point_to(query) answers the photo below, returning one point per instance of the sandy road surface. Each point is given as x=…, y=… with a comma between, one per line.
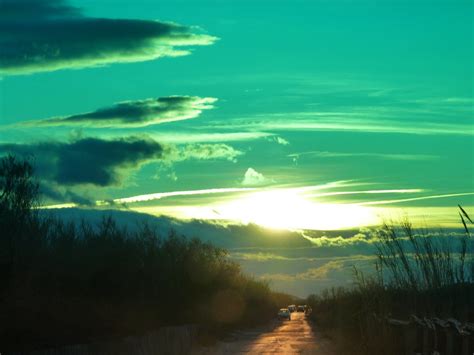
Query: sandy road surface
x=284, y=337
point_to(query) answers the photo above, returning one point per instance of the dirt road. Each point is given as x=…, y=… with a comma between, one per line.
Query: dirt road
x=283, y=337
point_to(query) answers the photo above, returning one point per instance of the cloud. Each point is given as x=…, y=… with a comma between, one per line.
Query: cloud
x=364, y=122
x=258, y=256
x=254, y=178
x=366, y=192
x=281, y=140
x=278, y=140
x=66, y=169
x=160, y=195
x=326, y=154
x=192, y=136
x=88, y=161
x=176, y=153
x=103, y=162
x=321, y=272
x=335, y=269
x=431, y=197
x=202, y=152
x=137, y=113
x=340, y=241
x=55, y=192
x=17, y=10
x=212, y=191
x=47, y=35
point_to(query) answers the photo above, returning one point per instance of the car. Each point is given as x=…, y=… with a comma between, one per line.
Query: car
x=292, y=308
x=300, y=308
x=284, y=313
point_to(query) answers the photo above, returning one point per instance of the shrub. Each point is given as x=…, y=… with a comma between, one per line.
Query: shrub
x=415, y=273
x=72, y=282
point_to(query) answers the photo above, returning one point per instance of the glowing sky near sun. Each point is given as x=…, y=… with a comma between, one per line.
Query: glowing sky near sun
x=245, y=111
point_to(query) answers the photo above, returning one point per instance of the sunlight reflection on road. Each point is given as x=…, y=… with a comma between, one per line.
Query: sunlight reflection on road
x=288, y=337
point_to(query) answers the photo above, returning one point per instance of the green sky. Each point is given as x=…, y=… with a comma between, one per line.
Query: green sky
x=374, y=95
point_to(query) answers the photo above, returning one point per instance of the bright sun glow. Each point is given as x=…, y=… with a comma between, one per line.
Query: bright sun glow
x=285, y=209
x=277, y=209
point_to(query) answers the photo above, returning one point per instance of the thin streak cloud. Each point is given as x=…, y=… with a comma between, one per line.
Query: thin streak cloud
x=160, y=195
x=345, y=122
x=206, y=137
x=367, y=192
x=326, y=154
x=386, y=202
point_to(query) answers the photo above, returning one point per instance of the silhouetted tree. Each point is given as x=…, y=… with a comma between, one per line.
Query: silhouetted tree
x=65, y=282
x=18, y=189
x=18, y=197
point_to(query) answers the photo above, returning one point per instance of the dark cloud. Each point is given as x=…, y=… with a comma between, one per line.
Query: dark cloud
x=59, y=193
x=20, y=10
x=68, y=169
x=50, y=35
x=137, y=113
x=89, y=160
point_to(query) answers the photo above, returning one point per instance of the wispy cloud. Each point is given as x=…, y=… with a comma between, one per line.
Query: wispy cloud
x=179, y=137
x=258, y=256
x=329, y=269
x=305, y=190
x=326, y=154
x=368, y=122
x=160, y=195
x=201, y=152
x=366, y=192
x=296, y=255
x=385, y=202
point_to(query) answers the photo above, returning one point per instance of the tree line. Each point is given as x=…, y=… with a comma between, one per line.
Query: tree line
x=72, y=282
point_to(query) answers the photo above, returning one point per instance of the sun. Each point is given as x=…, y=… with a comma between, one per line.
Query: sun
x=277, y=208
x=290, y=209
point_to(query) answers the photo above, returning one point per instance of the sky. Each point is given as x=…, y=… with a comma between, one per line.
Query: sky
x=293, y=115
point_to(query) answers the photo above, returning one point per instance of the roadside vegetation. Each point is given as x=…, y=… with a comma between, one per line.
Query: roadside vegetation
x=66, y=283
x=416, y=273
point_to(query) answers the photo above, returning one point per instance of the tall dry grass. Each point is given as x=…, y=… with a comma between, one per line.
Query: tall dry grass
x=409, y=259
x=415, y=272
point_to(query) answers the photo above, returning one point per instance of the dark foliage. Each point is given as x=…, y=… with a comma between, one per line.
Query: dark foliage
x=416, y=274
x=70, y=283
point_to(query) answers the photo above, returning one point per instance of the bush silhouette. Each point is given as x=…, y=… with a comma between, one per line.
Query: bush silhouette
x=72, y=282
x=416, y=274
